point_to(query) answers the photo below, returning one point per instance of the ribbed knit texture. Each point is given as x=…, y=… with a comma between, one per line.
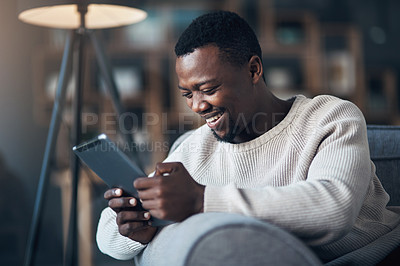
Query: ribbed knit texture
x=311, y=175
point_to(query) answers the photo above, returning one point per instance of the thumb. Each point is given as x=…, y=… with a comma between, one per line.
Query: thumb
x=164, y=168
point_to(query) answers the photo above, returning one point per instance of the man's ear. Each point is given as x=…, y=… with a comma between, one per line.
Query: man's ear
x=256, y=68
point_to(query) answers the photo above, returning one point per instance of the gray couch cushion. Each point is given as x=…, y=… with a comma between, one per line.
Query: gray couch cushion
x=232, y=239
x=384, y=144
x=214, y=239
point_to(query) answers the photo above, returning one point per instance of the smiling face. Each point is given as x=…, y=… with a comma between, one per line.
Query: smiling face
x=223, y=94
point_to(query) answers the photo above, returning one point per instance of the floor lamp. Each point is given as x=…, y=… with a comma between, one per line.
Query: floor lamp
x=80, y=16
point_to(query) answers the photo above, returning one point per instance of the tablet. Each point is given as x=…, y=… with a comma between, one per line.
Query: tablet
x=112, y=166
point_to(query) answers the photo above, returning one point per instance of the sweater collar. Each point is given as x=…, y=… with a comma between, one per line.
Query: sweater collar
x=267, y=136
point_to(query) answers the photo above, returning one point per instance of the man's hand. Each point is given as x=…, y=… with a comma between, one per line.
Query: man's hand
x=131, y=222
x=171, y=194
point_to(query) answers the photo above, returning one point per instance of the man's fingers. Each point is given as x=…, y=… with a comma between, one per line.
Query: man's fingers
x=120, y=203
x=151, y=193
x=124, y=217
x=128, y=229
x=113, y=193
x=162, y=169
x=145, y=183
x=151, y=204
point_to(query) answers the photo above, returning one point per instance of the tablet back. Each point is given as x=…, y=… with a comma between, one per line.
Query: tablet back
x=109, y=163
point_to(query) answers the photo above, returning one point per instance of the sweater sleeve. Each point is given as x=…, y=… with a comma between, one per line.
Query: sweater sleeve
x=111, y=242
x=322, y=208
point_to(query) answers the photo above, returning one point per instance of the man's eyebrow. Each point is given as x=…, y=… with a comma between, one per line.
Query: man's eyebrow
x=198, y=85
x=182, y=88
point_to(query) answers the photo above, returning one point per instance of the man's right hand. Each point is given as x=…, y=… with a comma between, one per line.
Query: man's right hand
x=131, y=222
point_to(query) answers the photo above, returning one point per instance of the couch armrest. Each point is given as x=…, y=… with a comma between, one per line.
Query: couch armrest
x=212, y=239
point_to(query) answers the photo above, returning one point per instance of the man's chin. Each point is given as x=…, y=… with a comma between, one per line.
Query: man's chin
x=225, y=138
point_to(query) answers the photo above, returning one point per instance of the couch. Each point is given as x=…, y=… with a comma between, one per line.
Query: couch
x=213, y=239
x=384, y=145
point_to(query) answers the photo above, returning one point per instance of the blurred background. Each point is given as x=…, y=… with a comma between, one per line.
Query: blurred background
x=347, y=48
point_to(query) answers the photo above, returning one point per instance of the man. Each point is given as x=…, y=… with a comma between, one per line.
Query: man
x=301, y=164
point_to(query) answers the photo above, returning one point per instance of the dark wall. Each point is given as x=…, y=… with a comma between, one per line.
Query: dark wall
x=21, y=140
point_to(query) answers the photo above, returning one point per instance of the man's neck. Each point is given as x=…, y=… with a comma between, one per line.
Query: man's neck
x=271, y=112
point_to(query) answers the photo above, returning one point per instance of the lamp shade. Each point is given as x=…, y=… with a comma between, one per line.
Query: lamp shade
x=63, y=14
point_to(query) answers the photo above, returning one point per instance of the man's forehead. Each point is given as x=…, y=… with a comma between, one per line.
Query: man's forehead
x=199, y=58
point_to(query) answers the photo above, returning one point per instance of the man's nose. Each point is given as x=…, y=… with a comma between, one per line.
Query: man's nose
x=199, y=104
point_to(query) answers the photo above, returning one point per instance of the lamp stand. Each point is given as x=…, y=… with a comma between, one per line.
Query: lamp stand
x=75, y=38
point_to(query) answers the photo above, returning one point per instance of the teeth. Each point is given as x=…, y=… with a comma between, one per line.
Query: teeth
x=214, y=118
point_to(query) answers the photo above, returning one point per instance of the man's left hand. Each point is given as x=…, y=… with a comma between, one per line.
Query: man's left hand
x=171, y=194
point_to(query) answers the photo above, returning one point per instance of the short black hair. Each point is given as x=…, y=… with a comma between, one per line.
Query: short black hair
x=227, y=30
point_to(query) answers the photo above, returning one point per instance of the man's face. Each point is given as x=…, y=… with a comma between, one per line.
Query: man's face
x=219, y=92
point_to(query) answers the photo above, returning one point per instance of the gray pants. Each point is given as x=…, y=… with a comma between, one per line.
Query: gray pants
x=215, y=239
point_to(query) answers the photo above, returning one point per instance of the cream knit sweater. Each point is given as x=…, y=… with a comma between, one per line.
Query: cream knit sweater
x=311, y=174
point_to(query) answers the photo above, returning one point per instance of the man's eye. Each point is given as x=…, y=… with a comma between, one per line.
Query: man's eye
x=210, y=91
x=187, y=95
